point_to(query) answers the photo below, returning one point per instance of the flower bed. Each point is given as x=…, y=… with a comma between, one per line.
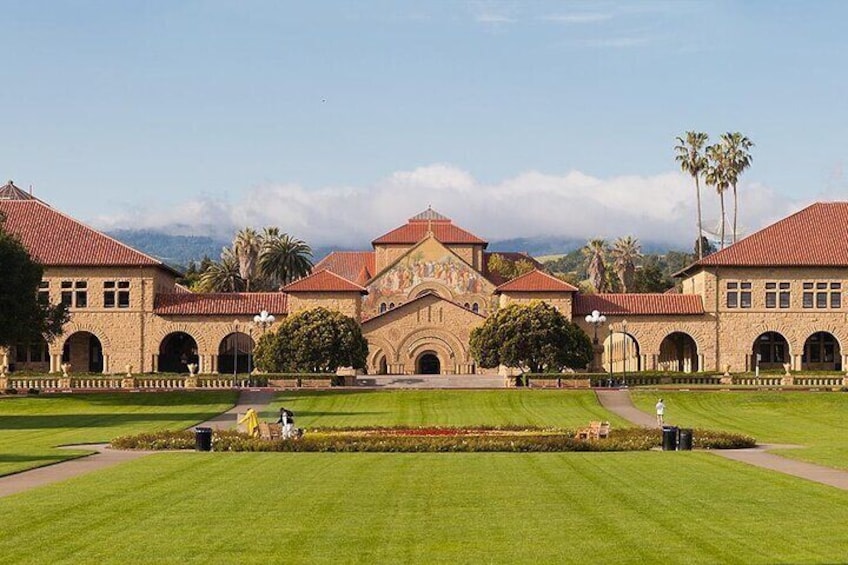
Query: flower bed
x=433, y=440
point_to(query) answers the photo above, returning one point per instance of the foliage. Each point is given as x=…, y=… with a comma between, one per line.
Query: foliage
x=430, y=440
x=534, y=335
x=507, y=268
x=651, y=278
x=313, y=341
x=595, y=253
x=24, y=318
x=693, y=161
x=626, y=252
x=737, y=158
x=257, y=262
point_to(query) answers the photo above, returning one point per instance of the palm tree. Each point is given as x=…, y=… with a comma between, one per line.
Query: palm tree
x=717, y=177
x=690, y=155
x=596, y=254
x=247, y=245
x=283, y=258
x=223, y=276
x=626, y=252
x=738, y=158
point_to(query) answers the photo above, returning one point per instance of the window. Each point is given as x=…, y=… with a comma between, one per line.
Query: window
x=391, y=305
x=785, y=297
x=475, y=308
x=116, y=293
x=732, y=295
x=771, y=295
x=808, y=295
x=745, y=295
x=382, y=307
x=81, y=294
x=821, y=295
x=467, y=306
x=44, y=292
x=836, y=295
x=67, y=293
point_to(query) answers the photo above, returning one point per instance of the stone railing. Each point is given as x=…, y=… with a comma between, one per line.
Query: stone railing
x=142, y=382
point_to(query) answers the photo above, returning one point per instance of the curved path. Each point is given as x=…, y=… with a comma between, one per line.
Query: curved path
x=105, y=457
x=619, y=402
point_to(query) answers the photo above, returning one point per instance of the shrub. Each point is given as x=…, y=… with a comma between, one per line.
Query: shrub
x=11, y=391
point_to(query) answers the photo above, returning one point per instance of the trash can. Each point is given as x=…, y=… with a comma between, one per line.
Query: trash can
x=669, y=438
x=685, y=443
x=203, y=439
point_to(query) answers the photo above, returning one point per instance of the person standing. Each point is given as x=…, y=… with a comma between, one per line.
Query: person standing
x=660, y=411
x=287, y=422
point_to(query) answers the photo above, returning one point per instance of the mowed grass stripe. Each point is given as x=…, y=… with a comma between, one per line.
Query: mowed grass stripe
x=31, y=427
x=815, y=420
x=568, y=409
x=434, y=508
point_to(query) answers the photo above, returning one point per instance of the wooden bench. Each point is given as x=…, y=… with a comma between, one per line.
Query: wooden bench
x=270, y=431
x=595, y=430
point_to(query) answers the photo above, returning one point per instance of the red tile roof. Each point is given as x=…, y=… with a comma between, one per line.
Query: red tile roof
x=817, y=236
x=54, y=239
x=323, y=281
x=417, y=227
x=349, y=264
x=422, y=296
x=11, y=192
x=229, y=304
x=535, y=281
x=638, y=304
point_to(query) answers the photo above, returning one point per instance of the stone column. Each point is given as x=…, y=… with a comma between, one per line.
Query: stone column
x=105, y=364
x=154, y=359
x=701, y=367
x=796, y=364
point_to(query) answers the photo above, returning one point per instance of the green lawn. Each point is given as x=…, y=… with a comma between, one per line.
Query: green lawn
x=566, y=409
x=816, y=420
x=427, y=508
x=31, y=427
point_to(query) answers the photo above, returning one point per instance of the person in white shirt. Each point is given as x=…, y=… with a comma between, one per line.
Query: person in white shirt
x=660, y=412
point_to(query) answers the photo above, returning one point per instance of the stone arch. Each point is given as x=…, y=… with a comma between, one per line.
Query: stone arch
x=202, y=340
x=623, y=354
x=377, y=344
x=58, y=344
x=822, y=350
x=788, y=333
x=652, y=341
x=773, y=348
x=433, y=335
x=428, y=363
x=432, y=286
x=679, y=351
x=235, y=353
x=85, y=352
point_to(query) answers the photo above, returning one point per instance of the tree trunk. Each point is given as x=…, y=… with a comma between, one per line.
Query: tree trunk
x=700, y=224
x=723, y=217
x=735, y=208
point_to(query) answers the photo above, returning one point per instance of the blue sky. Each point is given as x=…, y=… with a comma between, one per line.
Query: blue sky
x=337, y=120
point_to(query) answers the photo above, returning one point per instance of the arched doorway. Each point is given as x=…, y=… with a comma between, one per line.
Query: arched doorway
x=428, y=364
x=84, y=352
x=822, y=353
x=621, y=352
x=383, y=366
x=235, y=354
x=678, y=352
x=773, y=351
x=176, y=352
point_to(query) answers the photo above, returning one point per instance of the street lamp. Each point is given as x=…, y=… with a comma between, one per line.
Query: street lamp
x=235, y=351
x=624, y=332
x=263, y=319
x=595, y=319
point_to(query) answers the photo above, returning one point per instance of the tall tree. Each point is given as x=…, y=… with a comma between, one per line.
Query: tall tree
x=247, y=245
x=690, y=155
x=738, y=159
x=283, y=258
x=595, y=253
x=222, y=276
x=24, y=318
x=717, y=177
x=626, y=252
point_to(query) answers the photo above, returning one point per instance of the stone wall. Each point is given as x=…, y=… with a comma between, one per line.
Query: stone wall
x=562, y=301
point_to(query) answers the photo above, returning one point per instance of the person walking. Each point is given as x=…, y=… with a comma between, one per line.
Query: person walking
x=286, y=420
x=660, y=411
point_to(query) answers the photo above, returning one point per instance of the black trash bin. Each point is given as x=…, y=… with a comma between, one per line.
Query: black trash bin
x=685, y=443
x=669, y=438
x=203, y=439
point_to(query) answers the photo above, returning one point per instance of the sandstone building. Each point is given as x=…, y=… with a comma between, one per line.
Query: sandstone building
x=776, y=297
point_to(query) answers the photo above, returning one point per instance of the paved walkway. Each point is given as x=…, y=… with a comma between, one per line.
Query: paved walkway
x=430, y=381
x=105, y=457
x=619, y=402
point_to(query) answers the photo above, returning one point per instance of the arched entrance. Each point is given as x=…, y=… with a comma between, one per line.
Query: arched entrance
x=382, y=366
x=773, y=351
x=428, y=364
x=235, y=354
x=621, y=352
x=822, y=353
x=678, y=352
x=176, y=352
x=84, y=352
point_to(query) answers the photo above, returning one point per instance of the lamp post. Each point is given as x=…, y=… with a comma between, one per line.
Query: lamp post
x=235, y=351
x=595, y=319
x=263, y=319
x=624, y=332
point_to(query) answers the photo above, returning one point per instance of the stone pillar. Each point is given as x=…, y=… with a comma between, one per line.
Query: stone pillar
x=598, y=358
x=55, y=362
x=105, y=364
x=213, y=364
x=795, y=363
x=154, y=359
x=701, y=361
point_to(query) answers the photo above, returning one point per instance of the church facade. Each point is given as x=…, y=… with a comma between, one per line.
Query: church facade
x=775, y=298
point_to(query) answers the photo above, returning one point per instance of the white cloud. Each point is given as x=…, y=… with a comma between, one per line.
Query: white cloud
x=578, y=17
x=659, y=208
